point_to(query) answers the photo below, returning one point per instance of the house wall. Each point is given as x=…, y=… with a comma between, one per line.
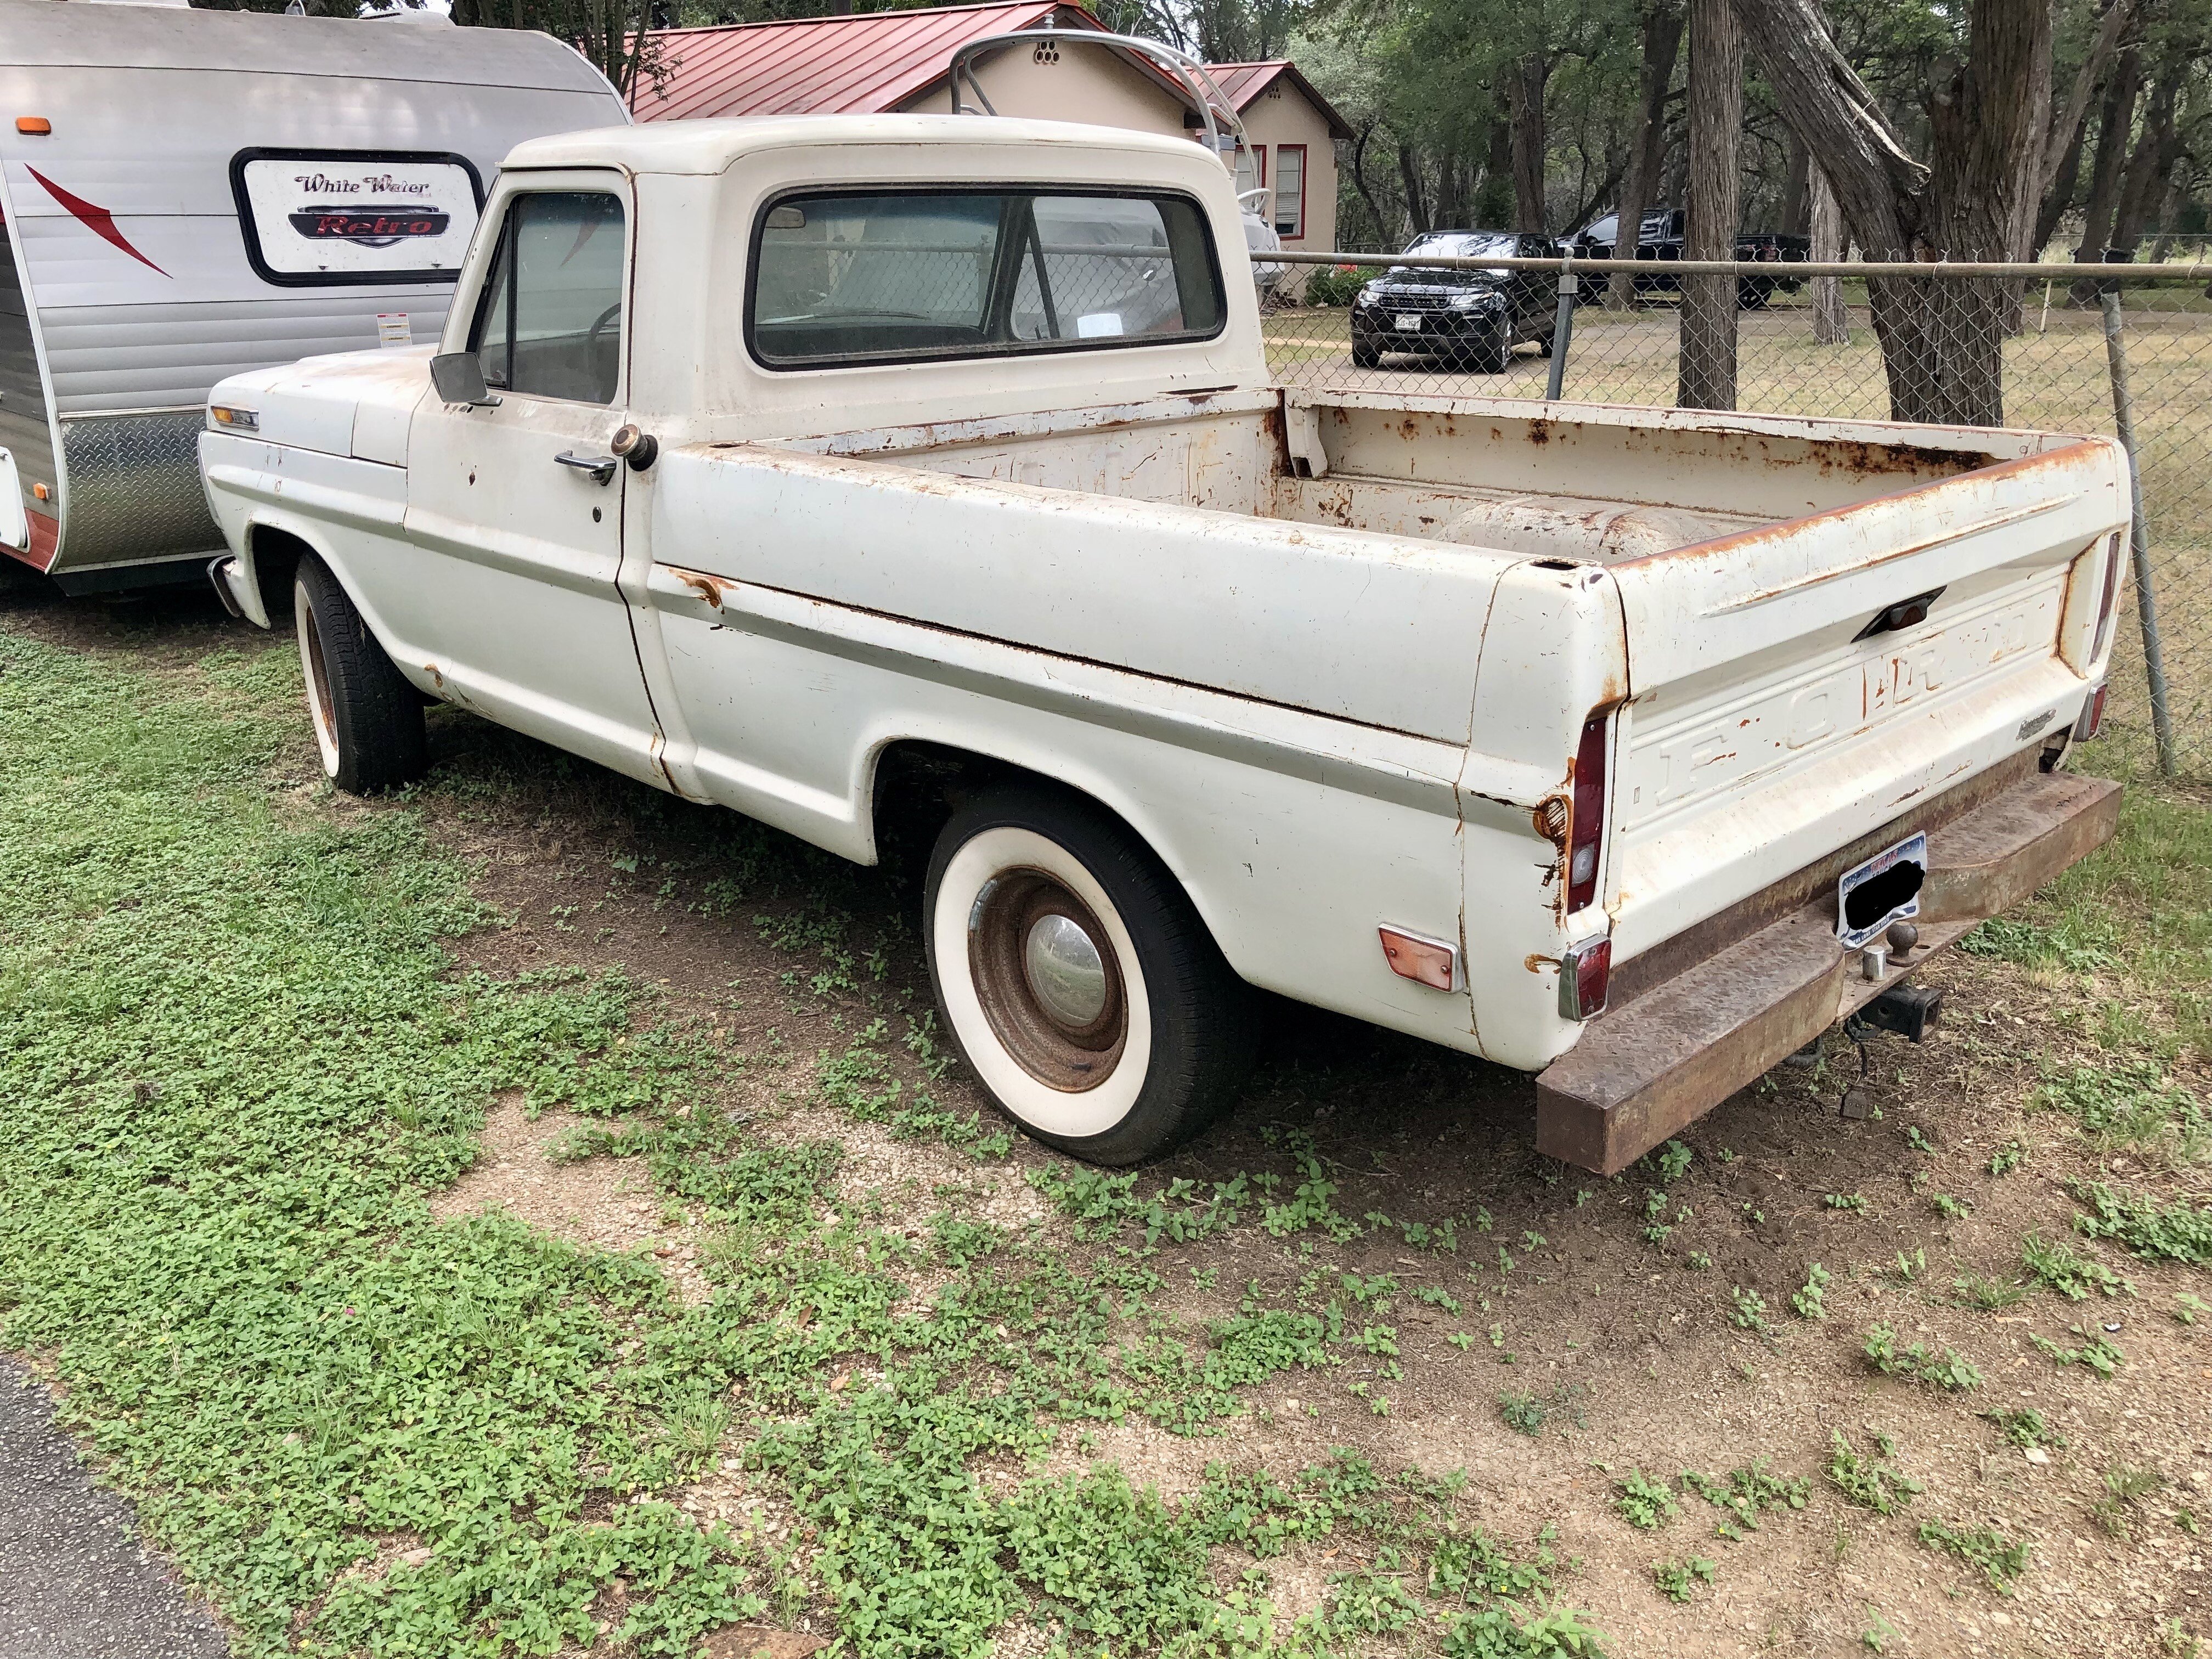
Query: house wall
x=1087, y=83
x=1282, y=115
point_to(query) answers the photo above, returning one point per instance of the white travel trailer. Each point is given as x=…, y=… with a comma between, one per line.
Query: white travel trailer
x=187, y=194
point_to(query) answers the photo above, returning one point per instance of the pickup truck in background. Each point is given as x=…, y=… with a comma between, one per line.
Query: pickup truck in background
x=912, y=473
x=1662, y=240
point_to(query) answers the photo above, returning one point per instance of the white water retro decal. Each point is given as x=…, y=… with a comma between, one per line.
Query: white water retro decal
x=323, y=219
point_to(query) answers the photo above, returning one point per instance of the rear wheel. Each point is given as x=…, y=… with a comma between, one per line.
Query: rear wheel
x=367, y=719
x=1077, y=981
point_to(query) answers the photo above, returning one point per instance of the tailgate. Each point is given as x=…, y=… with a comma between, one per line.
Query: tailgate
x=1768, y=726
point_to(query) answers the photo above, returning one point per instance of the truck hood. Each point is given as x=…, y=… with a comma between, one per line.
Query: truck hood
x=357, y=403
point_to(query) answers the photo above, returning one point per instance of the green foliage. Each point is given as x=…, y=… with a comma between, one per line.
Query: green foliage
x=1747, y=1493
x=1872, y=1482
x=2132, y=1105
x=1524, y=1413
x=2057, y=1264
x=1335, y=285
x=1677, y=1579
x=1750, y=1309
x=2142, y=1225
x=1809, y=1302
x=2125, y=1485
x=1674, y=1161
x=2001, y=1559
x=2095, y=1352
x=1919, y=1363
x=2024, y=1427
x=2009, y=1157
x=1853, y=1202
x=1988, y=1294
x=1645, y=1502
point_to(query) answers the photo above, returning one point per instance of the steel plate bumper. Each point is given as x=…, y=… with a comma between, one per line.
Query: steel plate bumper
x=1687, y=1042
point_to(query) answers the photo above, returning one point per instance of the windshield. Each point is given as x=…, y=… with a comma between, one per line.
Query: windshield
x=1465, y=244
x=1462, y=244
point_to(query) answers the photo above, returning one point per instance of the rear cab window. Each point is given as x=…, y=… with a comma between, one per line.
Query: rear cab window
x=919, y=274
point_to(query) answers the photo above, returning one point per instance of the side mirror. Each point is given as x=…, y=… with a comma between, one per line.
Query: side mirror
x=459, y=378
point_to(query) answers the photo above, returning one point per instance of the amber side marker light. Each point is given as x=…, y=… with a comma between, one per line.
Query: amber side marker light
x=34, y=126
x=230, y=418
x=1428, y=962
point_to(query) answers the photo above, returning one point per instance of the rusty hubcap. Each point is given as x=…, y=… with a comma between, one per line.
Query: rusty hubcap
x=1047, y=978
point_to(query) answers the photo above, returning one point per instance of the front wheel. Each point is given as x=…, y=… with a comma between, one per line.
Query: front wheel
x=1365, y=356
x=1076, y=980
x=368, y=720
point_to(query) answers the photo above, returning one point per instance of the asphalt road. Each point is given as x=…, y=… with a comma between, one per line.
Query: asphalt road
x=74, y=1582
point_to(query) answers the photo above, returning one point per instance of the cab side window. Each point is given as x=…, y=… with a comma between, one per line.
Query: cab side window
x=549, y=321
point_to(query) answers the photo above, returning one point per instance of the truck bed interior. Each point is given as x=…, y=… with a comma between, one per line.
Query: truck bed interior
x=1602, y=484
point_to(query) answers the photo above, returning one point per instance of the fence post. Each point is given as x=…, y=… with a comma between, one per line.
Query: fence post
x=1563, y=333
x=2123, y=424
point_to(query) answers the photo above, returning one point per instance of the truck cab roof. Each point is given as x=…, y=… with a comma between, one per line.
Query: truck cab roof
x=709, y=148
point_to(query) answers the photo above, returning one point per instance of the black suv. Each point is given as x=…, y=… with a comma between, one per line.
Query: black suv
x=1662, y=240
x=1469, y=318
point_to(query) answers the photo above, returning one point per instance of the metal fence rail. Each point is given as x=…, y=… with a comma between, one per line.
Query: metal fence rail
x=2122, y=350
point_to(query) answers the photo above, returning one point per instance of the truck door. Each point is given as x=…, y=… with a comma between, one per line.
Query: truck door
x=522, y=502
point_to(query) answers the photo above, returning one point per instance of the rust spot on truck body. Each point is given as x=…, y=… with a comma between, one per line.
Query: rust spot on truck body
x=709, y=589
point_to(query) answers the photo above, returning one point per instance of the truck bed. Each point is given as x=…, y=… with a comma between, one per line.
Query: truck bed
x=1763, y=726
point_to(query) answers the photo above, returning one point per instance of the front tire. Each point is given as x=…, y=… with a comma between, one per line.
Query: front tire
x=1076, y=980
x=1365, y=356
x=367, y=719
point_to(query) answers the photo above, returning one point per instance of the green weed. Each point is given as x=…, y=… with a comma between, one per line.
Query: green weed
x=1677, y=1580
x=1644, y=1501
x=1919, y=1363
x=1872, y=1482
x=2001, y=1559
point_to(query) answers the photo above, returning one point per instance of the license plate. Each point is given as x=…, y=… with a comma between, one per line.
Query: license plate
x=1409, y=325
x=1883, y=889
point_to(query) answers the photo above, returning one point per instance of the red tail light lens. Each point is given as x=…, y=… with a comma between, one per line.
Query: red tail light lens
x=2093, y=716
x=1585, y=974
x=1586, y=830
x=2105, y=600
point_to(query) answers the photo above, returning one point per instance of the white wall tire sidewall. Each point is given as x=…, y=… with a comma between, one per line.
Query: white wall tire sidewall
x=1040, y=1106
x=324, y=719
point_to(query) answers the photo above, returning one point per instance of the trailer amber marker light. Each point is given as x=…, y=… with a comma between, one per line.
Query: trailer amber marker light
x=34, y=126
x=232, y=419
x=1425, y=961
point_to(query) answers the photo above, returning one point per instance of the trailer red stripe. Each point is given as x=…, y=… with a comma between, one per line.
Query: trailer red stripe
x=98, y=219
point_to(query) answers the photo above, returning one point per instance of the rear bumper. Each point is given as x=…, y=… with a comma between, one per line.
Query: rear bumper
x=1686, y=1043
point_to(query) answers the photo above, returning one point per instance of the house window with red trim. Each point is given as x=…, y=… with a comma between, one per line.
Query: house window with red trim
x=1290, y=191
x=1251, y=168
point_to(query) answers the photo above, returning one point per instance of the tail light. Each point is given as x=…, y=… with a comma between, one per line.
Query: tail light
x=1585, y=972
x=2105, y=607
x=2092, y=715
x=1586, y=828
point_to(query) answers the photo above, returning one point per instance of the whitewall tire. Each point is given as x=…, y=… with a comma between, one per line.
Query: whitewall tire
x=1076, y=980
x=367, y=719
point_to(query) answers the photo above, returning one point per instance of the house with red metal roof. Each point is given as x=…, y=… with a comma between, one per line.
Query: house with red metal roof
x=878, y=63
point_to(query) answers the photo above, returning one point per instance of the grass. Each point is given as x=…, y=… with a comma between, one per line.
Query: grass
x=240, y=1062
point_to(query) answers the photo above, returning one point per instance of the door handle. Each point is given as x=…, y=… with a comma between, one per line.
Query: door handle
x=600, y=467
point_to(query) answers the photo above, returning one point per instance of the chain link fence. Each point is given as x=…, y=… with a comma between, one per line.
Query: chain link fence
x=2124, y=353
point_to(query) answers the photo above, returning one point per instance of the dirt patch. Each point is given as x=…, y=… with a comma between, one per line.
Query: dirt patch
x=603, y=1203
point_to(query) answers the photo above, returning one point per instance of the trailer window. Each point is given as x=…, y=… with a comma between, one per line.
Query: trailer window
x=549, y=321
x=898, y=277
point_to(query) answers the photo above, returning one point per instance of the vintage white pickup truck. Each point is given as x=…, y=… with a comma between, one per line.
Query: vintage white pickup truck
x=857, y=473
